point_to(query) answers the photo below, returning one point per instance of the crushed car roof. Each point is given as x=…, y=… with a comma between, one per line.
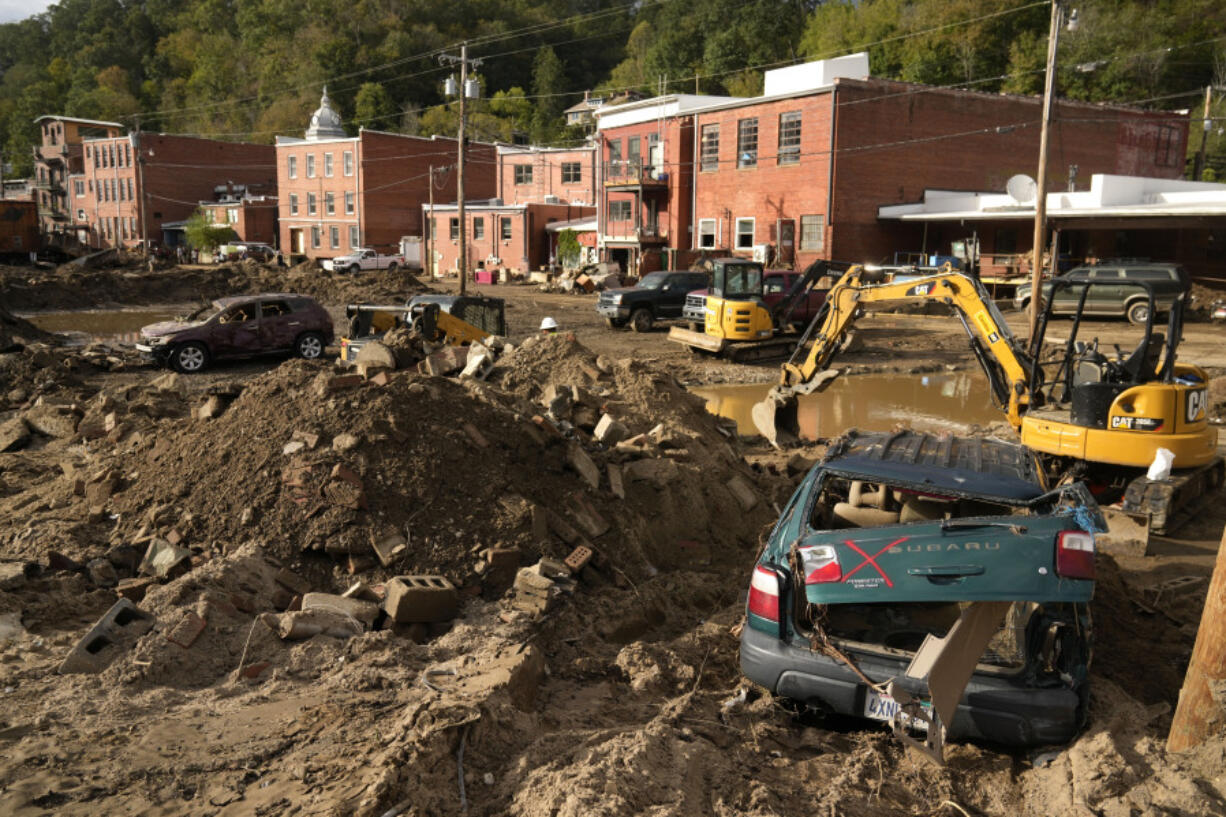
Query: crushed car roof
x=956, y=465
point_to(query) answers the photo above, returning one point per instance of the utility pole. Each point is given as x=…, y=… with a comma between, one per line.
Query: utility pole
x=1040, y=201
x=427, y=263
x=466, y=89
x=1199, y=167
x=144, y=197
x=1196, y=710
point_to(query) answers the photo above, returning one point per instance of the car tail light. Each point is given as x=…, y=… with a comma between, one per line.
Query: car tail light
x=821, y=564
x=1075, y=555
x=764, y=593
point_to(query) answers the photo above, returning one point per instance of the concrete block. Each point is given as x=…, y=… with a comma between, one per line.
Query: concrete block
x=743, y=492
x=552, y=568
x=616, y=486
x=163, y=559
x=610, y=431
x=112, y=635
x=445, y=361
x=388, y=548
x=583, y=464
x=134, y=589
x=360, y=609
x=531, y=581
x=424, y=599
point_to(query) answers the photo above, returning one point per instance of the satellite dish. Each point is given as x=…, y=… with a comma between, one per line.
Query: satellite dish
x=1021, y=188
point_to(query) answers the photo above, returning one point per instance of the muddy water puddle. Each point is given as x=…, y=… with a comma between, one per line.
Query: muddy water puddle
x=111, y=325
x=873, y=402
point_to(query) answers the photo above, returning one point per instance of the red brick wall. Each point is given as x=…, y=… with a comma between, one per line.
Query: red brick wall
x=895, y=140
x=547, y=176
x=18, y=227
x=770, y=191
x=257, y=218
x=390, y=183
x=528, y=248
x=180, y=172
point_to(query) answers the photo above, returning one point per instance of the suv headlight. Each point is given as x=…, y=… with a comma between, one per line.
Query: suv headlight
x=157, y=341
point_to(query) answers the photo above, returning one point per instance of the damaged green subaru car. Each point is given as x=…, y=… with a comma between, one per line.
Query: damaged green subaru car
x=934, y=583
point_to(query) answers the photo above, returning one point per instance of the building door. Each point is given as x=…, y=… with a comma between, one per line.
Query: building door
x=621, y=256
x=786, y=231
x=297, y=243
x=655, y=158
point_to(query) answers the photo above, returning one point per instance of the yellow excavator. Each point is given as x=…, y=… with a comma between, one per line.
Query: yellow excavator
x=1102, y=419
x=457, y=320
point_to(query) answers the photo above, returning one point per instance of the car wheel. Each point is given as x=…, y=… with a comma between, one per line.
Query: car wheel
x=392, y=267
x=354, y=269
x=190, y=357
x=641, y=320
x=1138, y=312
x=615, y=323
x=309, y=346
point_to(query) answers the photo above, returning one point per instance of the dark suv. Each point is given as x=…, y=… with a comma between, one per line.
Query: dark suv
x=659, y=296
x=891, y=540
x=240, y=327
x=1114, y=294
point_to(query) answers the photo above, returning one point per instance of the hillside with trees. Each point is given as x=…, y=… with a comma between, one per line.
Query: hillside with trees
x=252, y=69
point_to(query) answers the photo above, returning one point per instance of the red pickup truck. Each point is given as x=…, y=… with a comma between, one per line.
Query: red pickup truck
x=775, y=285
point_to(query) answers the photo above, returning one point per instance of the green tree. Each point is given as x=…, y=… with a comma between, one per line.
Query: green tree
x=569, y=249
x=373, y=107
x=203, y=234
x=548, y=85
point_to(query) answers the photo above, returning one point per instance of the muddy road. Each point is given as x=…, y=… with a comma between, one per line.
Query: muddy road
x=619, y=694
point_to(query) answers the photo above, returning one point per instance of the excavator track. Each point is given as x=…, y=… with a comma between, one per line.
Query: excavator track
x=1173, y=502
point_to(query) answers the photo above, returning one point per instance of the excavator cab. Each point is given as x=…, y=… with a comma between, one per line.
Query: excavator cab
x=735, y=309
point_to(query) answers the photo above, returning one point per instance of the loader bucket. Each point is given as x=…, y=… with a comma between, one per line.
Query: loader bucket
x=777, y=416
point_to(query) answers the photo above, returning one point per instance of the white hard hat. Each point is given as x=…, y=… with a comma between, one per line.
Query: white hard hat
x=549, y=323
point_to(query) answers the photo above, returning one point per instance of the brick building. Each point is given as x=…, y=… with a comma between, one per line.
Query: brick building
x=512, y=236
x=178, y=173
x=252, y=218
x=19, y=234
x=555, y=175
x=799, y=172
x=338, y=192
x=59, y=156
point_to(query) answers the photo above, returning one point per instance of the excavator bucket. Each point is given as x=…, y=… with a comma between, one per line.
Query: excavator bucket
x=777, y=416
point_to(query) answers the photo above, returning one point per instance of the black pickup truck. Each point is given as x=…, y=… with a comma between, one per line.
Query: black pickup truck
x=660, y=295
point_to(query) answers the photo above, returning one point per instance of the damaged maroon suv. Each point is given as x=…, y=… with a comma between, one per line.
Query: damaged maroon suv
x=242, y=326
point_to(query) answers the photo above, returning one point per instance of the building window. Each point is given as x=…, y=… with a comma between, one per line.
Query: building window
x=744, y=233
x=349, y=203
x=310, y=204
x=506, y=228
x=131, y=193
x=95, y=158
x=455, y=229
x=315, y=236
x=706, y=232
x=747, y=143
x=293, y=167
x=789, y=138
x=1168, y=141
x=572, y=172
x=127, y=155
x=80, y=215
x=615, y=150
x=348, y=161
x=110, y=152
x=812, y=233
x=523, y=174
x=328, y=165
x=310, y=168
x=232, y=215
x=634, y=150
x=330, y=204
x=78, y=188
x=293, y=204
x=478, y=228
x=619, y=211
x=710, y=148
x=334, y=237
x=353, y=236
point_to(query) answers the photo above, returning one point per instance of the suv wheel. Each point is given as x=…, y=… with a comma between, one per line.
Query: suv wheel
x=641, y=320
x=354, y=269
x=1138, y=311
x=309, y=346
x=190, y=357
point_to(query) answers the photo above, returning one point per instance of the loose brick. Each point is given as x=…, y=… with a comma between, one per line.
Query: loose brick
x=388, y=548
x=579, y=558
x=114, y=633
x=616, y=486
x=187, y=630
x=743, y=492
x=134, y=589
x=345, y=381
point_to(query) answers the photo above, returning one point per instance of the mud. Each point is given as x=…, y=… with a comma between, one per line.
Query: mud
x=626, y=698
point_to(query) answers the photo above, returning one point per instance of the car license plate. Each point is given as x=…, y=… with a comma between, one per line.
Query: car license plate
x=881, y=707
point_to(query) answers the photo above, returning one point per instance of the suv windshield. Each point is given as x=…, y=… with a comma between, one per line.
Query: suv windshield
x=653, y=281
x=203, y=313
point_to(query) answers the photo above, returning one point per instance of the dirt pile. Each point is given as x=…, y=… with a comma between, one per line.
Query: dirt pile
x=75, y=287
